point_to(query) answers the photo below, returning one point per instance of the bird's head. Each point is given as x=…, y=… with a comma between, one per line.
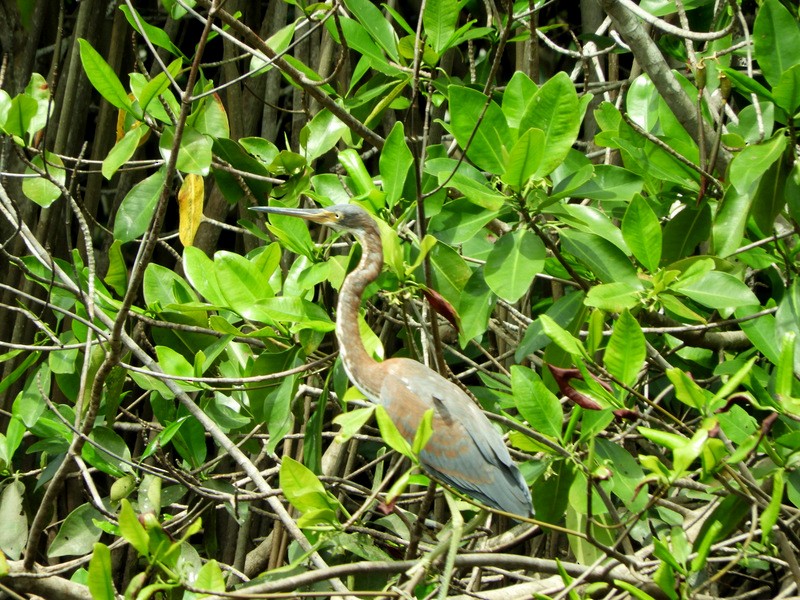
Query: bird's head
x=342, y=217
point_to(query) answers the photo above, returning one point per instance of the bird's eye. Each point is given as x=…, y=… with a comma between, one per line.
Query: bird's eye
x=337, y=216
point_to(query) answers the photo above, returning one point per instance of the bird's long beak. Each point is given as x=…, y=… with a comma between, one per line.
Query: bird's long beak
x=317, y=215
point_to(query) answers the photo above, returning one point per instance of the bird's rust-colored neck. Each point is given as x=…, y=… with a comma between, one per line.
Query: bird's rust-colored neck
x=357, y=361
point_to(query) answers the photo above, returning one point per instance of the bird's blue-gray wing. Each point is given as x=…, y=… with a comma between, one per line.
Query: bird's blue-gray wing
x=465, y=451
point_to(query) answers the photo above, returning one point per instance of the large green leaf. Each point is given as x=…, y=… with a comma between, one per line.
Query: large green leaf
x=625, y=352
x=718, y=290
x=787, y=91
x=378, y=27
x=77, y=534
x=321, y=134
x=123, y=150
x=194, y=150
x=439, y=22
x=488, y=146
x=100, y=577
x=555, y=109
x=14, y=532
x=685, y=231
x=642, y=233
x=518, y=93
x=606, y=261
x=137, y=208
x=525, y=158
x=108, y=452
x=39, y=189
x=776, y=39
x=538, y=405
x=730, y=221
x=450, y=272
x=475, y=307
x=513, y=263
x=104, y=79
x=750, y=164
x=395, y=162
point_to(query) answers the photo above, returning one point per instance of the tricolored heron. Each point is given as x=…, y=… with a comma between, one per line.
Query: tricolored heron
x=464, y=451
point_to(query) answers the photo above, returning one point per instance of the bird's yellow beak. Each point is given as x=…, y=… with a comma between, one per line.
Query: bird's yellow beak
x=316, y=215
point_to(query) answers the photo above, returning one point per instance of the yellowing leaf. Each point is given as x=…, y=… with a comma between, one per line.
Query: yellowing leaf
x=190, y=206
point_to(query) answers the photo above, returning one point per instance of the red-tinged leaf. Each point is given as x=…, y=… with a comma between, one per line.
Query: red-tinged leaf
x=443, y=307
x=626, y=414
x=563, y=377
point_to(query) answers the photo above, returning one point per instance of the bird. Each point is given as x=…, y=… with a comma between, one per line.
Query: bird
x=464, y=451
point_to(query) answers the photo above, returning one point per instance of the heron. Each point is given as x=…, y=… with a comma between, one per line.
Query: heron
x=464, y=451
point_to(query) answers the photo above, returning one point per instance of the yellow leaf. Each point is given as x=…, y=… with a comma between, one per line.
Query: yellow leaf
x=190, y=206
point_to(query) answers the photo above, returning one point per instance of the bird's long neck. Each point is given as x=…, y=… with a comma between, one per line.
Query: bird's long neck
x=355, y=358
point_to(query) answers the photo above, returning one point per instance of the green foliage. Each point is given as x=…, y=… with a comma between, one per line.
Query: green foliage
x=625, y=301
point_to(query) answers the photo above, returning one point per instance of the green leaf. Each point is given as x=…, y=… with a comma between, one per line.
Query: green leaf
x=395, y=161
x=77, y=534
x=476, y=192
x=769, y=516
x=101, y=586
x=555, y=109
x=210, y=578
x=776, y=39
x=42, y=191
x=158, y=84
x=537, y=405
x=487, y=147
x=303, y=489
x=137, y=208
x=14, y=532
x=563, y=311
x=376, y=25
x=194, y=150
x=718, y=290
x=475, y=307
x=117, y=275
x=200, y=270
x=21, y=113
x=750, y=164
x=391, y=435
x=131, y=529
x=769, y=199
x=613, y=297
x=608, y=263
x=240, y=281
x=686, y=390
x=450, y=272
x=107, y=451
x=5, y=108
x=561, y=337
x=513, y=264
x=787, y=91
x=608, y=182
x=352, y=421
x=685, y=231
x=519, y=91
x=439, y=21
x=321, y=134
x=642, y=232
x=157, y=36
x=625, y=354
x=210, y=118
x=730, y=221
x=524, y=158
x=105, y=80
x=123, y=150
x=423, y=433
